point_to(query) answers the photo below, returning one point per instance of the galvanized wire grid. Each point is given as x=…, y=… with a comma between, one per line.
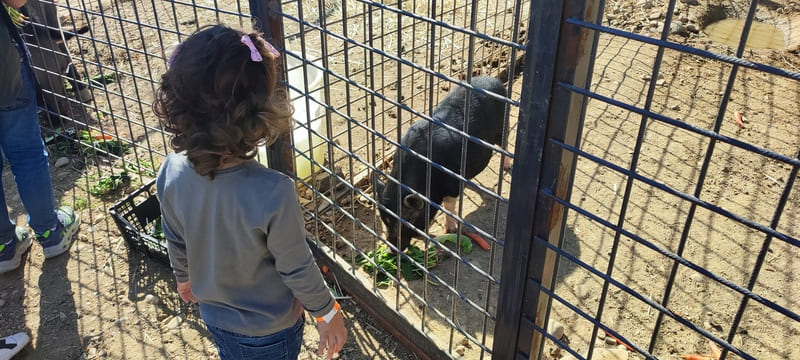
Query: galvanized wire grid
x=385, y=66
x=663, y=228
x=125, y=40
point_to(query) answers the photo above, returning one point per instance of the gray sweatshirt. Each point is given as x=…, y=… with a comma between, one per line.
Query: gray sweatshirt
x=240, y=240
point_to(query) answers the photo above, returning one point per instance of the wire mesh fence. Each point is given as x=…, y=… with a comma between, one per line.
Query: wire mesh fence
x=652, y=198
x=664, y=210
x=386, y=66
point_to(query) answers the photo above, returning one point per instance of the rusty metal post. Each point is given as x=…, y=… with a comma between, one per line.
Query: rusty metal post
x=266, y=16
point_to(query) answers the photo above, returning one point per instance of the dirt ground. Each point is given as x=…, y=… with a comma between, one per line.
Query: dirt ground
x=104, y=301
x=94, y=302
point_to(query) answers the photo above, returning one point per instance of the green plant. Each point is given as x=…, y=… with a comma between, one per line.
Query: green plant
x=101, y=143
x=157, y=232
x=60, y=141
x=144, y=167
x=388, y=262
x=110, y=184
x=103, y=79
x=81, y=204
x=16, y=17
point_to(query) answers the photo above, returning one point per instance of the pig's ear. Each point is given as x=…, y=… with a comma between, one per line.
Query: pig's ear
x=413, y=201
x=377, y=183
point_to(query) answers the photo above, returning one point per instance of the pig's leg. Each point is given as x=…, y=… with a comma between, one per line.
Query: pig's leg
x=508, y=163
x=450, y=223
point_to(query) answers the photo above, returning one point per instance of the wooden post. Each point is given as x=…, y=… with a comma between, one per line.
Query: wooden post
x=267, y=19
x=557, y=52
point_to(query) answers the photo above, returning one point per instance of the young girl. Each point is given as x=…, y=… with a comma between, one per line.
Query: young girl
x=235, y=233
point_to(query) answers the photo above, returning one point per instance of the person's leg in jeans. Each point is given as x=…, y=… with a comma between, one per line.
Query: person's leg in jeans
x=283, y=345
x=22, y=145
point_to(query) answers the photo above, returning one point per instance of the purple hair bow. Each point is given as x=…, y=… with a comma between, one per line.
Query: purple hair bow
x=254, y=54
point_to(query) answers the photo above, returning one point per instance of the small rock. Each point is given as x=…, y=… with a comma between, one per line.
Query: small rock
x=466, y=343
x=555, y=328
x=675, y=107
x=611, y=17
x=151, y=299
x=614, y=23
x=692, y=28
x=601, y=335
x=460, y=350
x=654, y=23
x=61, y=162
x=676, y=27
x=684, y=19
x=175, y=322
x=610, y=354
x=582, y=291
x=645, y=4
x=611, y=341
x=646, y=77
x=120, y=321
x=698, y=277
x=794, y=49
x=676, y=11
x=655, y=15
x=660, y=82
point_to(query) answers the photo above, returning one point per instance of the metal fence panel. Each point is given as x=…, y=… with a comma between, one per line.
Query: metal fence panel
x=639, y=207
x=652, y=227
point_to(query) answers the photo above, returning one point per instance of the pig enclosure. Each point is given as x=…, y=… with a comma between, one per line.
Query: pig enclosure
x=670, y=200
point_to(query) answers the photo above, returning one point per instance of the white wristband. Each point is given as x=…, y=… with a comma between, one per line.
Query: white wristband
x=329, y=316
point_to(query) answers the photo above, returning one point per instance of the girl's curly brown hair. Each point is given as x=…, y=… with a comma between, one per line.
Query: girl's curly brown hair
x=218, y=103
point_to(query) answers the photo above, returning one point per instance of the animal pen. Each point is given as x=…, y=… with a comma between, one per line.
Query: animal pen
x=649, y=211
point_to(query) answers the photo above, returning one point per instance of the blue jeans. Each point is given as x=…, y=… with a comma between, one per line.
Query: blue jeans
x=283, y=345
x=21, y=143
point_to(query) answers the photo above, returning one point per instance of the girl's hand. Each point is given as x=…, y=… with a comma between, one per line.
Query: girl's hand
x=332, y=335
x=185, y=291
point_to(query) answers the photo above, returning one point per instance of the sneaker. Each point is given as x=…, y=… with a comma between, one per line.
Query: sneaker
x=57, y=241
x=11, y=252
x=11, y=345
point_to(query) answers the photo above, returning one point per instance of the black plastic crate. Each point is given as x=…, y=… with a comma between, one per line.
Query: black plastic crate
x=138, y=217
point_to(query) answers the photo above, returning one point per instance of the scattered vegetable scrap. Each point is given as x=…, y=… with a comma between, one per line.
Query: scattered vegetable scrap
x=739, y=119
x=464, y=241
x=100, y=136
x=479, y=240
x=630, y=348
x=716, y=353
x=101, y=80
x=388, y=262
x=697, y=357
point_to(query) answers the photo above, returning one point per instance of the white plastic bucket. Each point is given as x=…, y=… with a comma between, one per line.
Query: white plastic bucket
x=302, y=115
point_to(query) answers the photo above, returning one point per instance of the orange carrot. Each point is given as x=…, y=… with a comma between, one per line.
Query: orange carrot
x=478, y=240
x=696, y=357
x=716, y=353
x=630, y=348
x=739, y=119
x=98, y=136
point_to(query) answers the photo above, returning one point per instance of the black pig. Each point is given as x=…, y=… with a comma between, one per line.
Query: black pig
x=485, y=116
